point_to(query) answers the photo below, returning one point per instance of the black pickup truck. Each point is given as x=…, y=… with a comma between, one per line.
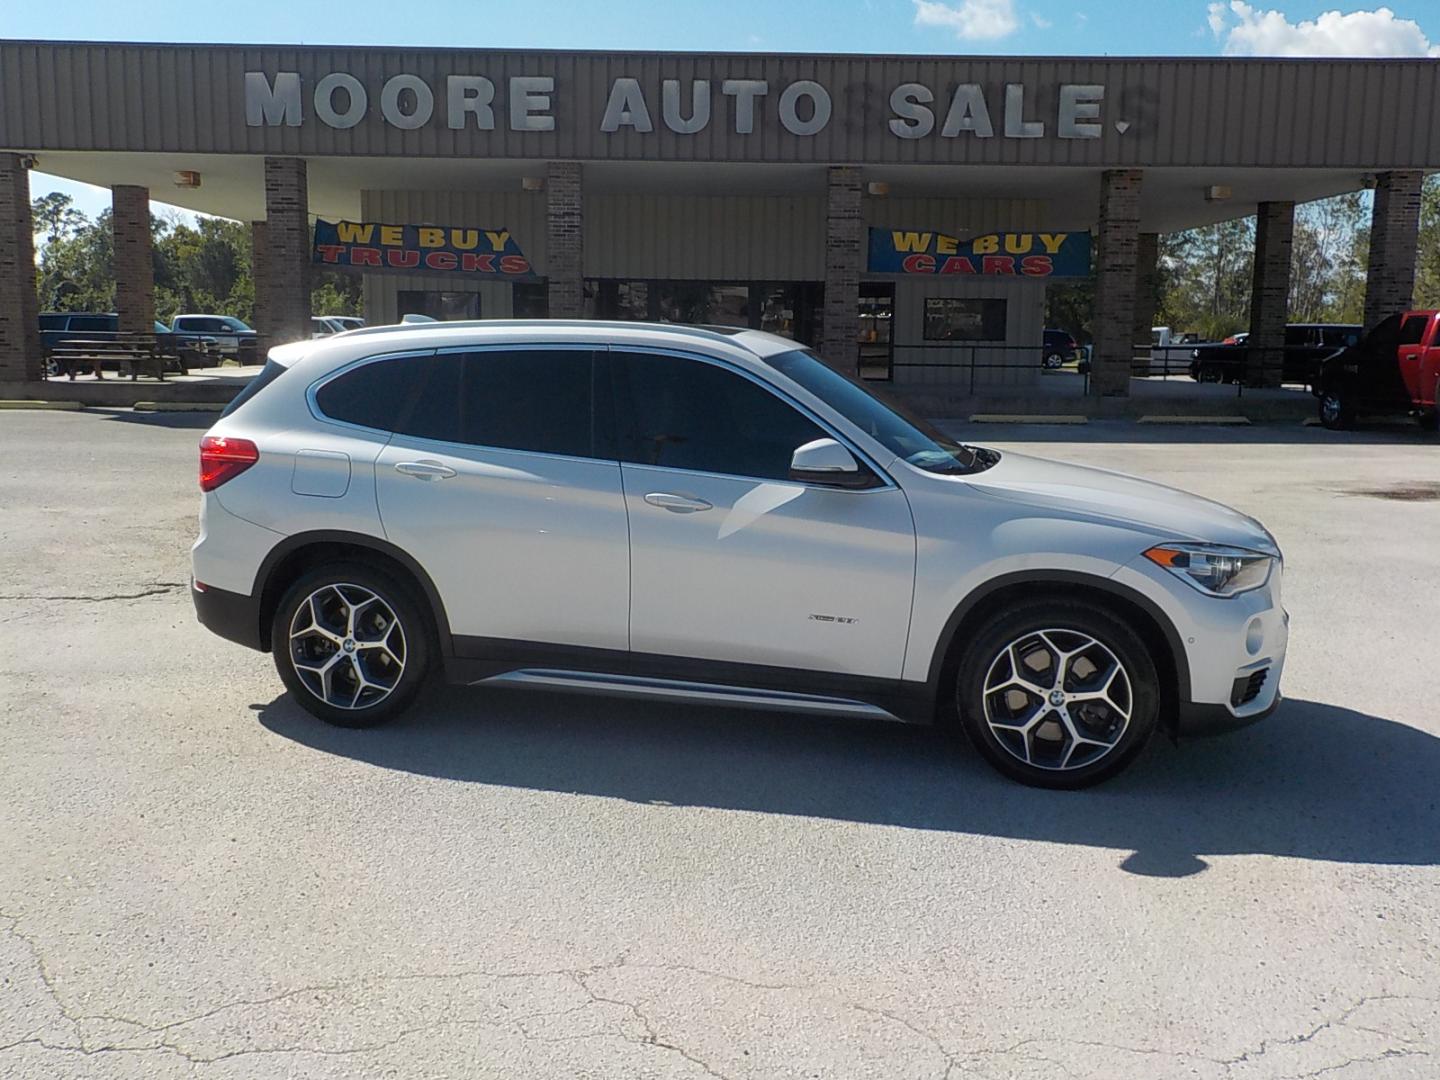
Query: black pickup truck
x=1307, y=345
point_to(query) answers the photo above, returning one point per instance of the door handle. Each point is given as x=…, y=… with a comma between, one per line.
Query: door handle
x=425, y=470
x=677, y=504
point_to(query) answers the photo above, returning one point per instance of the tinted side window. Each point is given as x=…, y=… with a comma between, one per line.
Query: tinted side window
x=375, y=395
x=94, y=323
x=52, y=322
x=1412, y=330
x=685, y=414
x=540, y=400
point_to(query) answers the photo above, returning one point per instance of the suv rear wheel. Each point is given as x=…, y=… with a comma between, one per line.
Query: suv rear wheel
x=351, y=643
x=1057, y=695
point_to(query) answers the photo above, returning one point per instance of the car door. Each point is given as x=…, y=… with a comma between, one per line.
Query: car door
x=1410, y=352
x=500, y=481
x=732, y=561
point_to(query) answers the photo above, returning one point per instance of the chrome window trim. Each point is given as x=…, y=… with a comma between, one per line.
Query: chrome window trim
x=886, y=481
x=328, y=377
x=459, y=447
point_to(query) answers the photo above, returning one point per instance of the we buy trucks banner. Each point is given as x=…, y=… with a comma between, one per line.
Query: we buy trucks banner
x=427, y=249
x=1041, y=255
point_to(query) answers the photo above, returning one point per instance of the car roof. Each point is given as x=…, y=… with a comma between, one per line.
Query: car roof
x=322, y=354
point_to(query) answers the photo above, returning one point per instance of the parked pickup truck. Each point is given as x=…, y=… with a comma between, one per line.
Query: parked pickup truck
x=1306, y=346
x=232, y=338
x=62, y=327
x=1393, y=370
x=1169, y=353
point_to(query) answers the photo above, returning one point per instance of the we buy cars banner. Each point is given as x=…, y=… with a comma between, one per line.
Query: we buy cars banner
x=1039, y=254
x=427, y=249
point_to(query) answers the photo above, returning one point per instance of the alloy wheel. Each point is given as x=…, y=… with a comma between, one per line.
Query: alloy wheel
x=347, y=646
x=1330, y=408
x=1058, y=699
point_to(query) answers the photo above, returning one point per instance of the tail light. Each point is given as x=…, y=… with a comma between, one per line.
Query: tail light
x=223, y=458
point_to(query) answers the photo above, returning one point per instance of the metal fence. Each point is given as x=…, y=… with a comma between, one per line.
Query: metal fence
x=970, y=367
x=964, y=364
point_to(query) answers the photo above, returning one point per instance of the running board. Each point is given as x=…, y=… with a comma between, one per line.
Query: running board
x=679, y=690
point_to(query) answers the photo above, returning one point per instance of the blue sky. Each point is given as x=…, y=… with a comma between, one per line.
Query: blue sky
x=961, y=27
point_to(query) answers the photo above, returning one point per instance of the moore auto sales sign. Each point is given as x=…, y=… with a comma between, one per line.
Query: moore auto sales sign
x=462, y=101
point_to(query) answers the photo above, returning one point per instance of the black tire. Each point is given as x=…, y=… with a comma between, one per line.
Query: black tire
x=1054, y=361
x=1208, y=374
x=338, y=585
x=1430, y=421
x=988, y=650
x=1335, y=410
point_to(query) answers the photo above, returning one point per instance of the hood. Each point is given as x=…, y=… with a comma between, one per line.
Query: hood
x=1078, y=490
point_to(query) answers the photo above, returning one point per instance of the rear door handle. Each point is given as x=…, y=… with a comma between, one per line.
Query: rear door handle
x=677, y=504
x=425, y=470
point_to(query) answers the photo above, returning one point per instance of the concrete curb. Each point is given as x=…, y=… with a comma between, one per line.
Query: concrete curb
x=1223, y=421
x=46, y=406
x=1028, y=418
x=179, y=406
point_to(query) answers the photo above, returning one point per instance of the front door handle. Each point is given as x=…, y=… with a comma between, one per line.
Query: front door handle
x=677, y=504
x=425, y=470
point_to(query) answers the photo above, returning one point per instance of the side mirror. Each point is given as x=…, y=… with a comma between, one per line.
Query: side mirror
x=825, y=461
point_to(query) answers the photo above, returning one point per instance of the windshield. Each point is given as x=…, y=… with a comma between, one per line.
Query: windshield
x=889, y=423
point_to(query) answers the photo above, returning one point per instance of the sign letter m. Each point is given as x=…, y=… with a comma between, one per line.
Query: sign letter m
x=271, y=106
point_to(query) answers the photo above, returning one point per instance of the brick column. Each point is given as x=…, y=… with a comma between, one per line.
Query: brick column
x=565, y=239
x=134, y=260
x=285, y=284
x=1117, y=255
x=1147, y=285
x=1394, y=236
x=260, y=318
x=1270, y=293
x=844, y=261
x=20, y=358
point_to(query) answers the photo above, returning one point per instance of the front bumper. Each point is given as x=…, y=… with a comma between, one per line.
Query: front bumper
x=234, y=616
x=1232, y=650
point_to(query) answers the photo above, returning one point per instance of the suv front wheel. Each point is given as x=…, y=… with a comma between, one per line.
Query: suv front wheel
x=351, y=644
x=1058, y=695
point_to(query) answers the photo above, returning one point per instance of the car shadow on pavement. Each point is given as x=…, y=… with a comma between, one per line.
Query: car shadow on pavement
x=1314, y=781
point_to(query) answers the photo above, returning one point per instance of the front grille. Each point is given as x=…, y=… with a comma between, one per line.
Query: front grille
x=1247, y=687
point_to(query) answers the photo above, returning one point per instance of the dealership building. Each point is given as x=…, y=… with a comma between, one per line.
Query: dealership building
x=903, y=214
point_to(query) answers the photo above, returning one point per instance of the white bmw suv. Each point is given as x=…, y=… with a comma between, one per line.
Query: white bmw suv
x=716, y=516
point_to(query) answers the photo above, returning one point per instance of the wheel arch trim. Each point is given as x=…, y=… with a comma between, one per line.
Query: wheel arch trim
x=1027, y=578
x=266, y=596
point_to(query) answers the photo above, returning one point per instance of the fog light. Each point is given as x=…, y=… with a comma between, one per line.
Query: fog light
x=1254, y=636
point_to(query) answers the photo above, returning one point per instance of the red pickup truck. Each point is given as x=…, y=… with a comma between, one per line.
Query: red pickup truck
x=1394, y=369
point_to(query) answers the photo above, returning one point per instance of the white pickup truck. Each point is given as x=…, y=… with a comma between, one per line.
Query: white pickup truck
x=1169, y=353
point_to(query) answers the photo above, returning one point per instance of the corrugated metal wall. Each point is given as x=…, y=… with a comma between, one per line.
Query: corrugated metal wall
x=958, y=214
x=707, y=238
x=1365, y=114
x=1024, y=323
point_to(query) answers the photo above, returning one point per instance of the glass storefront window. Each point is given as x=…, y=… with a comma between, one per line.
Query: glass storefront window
x=953, y=318
x=438, y=305
x=792, y=309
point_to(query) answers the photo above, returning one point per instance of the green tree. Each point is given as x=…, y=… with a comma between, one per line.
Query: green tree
x=1427, y=277
x=75, y=271
x=1327, y=269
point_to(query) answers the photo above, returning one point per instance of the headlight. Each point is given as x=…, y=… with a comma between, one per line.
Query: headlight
x=1214, y=569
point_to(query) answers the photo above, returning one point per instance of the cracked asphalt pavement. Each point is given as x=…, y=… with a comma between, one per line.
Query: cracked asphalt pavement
x=198, y=880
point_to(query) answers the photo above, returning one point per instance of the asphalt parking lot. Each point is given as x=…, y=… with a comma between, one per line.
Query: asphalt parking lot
x=199, y=880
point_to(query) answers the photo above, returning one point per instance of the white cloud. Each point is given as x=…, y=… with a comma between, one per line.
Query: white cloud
x=1041, y=23
x=971, y=20
x=1249, y=31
